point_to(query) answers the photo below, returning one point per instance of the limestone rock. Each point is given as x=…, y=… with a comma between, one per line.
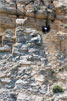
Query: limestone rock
x=31, y=61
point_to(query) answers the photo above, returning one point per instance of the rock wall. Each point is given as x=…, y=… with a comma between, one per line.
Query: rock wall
x=33, y=14
x=32, y=62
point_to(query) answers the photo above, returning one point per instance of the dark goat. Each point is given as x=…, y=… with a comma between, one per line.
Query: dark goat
x=46, y=28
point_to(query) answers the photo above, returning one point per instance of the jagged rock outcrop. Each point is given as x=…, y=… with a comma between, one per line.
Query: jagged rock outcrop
x=11, y=10
x=32, y=62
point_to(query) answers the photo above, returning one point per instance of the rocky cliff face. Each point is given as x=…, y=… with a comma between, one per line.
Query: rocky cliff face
x=32, y=62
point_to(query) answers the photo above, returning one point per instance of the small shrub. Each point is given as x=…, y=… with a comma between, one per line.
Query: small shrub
x=65, y=25
x=65, y=68
x=57, y=89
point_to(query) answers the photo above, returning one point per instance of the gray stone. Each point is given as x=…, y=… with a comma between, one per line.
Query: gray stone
x=24, y=48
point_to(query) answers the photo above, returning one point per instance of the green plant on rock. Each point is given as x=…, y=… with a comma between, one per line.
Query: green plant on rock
x=65, y=25
x=58, y=89
x=65, y=68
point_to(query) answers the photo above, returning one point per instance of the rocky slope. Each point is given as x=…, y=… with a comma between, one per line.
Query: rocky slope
x=32, y=62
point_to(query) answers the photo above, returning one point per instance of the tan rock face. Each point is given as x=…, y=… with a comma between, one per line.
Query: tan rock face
x=31, y=61
x=7, y=21
x=7, y=14
x=57, y=41
x=12, y=9
x=61, y=9
x=7, y=6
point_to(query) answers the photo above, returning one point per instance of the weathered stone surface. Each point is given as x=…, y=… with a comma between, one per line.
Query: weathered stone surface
x=7, y=21
x=31, y=62
x=7, y=6
x=6, y=48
